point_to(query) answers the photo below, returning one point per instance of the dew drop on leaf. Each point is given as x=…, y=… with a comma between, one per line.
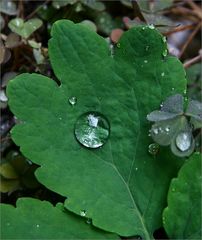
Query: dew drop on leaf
x=92, y=129
x=162, y=74
x=164, y=39
x=147, y=48
x=153, y=148
x=183, y=141
x=151, y=26
x=118, y=45
x=72, y=100
x=83, y=213
x=165, y=52
x=155, y=131
x=89, y=221
x=167, y=129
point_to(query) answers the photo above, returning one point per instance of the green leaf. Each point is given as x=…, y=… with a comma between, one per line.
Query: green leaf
x=35, y=219
x=24, y=29
x=182, y=217
x=115, y=184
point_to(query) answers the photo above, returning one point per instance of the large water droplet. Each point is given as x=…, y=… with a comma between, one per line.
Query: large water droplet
x=72, y=100
x=183, y=141
x=153, y=148
x=92, y=129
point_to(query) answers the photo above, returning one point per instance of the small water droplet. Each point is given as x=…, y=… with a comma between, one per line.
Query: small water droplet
x=83, y=213
x=153, y=148
x=160, y=129
x=143, y=28
x=136, y=169
x=151, y=26
x=165, y=52
x=118, y=45
x=72, y=100
x=145, y=61
x=172, y=88
x=173, y=189
x=155, y=131
x=183, y=141
x=167, y=129
x=161, y=105
x=92, y=129
x=37, y=225
x=185, y=91
x=19, y=22
x=162, y=74
x=89, y=221
x=147, y=48
x=164, y=39
x=60, y=118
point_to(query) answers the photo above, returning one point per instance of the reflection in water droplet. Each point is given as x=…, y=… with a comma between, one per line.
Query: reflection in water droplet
x=83, y=213
x=183, y=141
x=37, y=225
x=92, y=130
x=118, y=45
x=145, y=61
x=153, y=148
x=136, y=169
x=72, y=100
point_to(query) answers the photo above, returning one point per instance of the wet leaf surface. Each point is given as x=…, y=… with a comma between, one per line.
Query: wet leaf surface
x=116, y=185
